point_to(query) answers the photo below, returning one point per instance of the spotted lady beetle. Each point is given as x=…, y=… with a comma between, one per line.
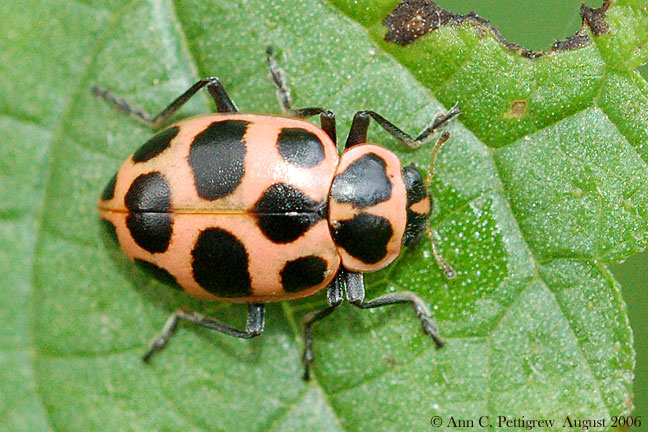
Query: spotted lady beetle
x=261, y=208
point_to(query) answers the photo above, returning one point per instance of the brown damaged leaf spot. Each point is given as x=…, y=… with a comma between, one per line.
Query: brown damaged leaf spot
x=517, y=111
x=575, y=41
x=595, y=18
x=390, y=361
x=412, y=19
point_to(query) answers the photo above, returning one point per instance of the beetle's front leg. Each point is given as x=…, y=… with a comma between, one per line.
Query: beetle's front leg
x=355, y=292
x=360, y=126
x=334, y=295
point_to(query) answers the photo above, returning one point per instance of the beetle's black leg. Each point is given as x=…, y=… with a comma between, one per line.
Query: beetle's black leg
x=359, y=128
x=358, y=132
x=327, y=118
x=214, y=87
x=355, y=292
x=253, y=327
x=334, y=295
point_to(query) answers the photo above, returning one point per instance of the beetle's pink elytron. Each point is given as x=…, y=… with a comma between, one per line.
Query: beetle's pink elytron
x=261, y=208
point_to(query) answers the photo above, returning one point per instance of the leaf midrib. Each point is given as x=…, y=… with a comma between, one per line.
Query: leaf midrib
x=58, y=130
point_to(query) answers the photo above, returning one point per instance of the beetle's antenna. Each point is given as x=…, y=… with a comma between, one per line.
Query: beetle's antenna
x=437, y=146
x=279, y=80
x=448, y=271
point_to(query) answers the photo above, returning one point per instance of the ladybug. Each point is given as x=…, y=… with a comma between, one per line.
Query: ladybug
x=256, y=208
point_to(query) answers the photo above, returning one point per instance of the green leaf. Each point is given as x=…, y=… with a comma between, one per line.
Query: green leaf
x=542, y=185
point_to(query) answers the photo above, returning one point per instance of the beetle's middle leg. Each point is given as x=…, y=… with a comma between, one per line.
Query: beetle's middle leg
x=327, y=117
x=254, y=326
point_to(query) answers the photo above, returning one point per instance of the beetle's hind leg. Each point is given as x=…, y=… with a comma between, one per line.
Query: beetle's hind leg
x=254, y=326
x=327, y=117
x=214, y=87
x=355, y=292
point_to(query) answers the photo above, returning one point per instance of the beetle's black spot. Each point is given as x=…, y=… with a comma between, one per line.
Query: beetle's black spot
x=302, y=273
x=148, y=193
x=416, y=191
x=300, y=147
x=282, y=228
x=364, y=237
x=109, y=230
x=284, y=213
x=416, y=223
x=282, y=198
x=109, y=191
x=217, y=158
x=158, y=273
x=149, y=200
x=151, y=231
x=155, y=145
x=414, y=184
x=220, y=264
x=364, y=183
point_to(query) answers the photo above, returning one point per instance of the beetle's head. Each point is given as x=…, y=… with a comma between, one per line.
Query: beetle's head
x=418, y=205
